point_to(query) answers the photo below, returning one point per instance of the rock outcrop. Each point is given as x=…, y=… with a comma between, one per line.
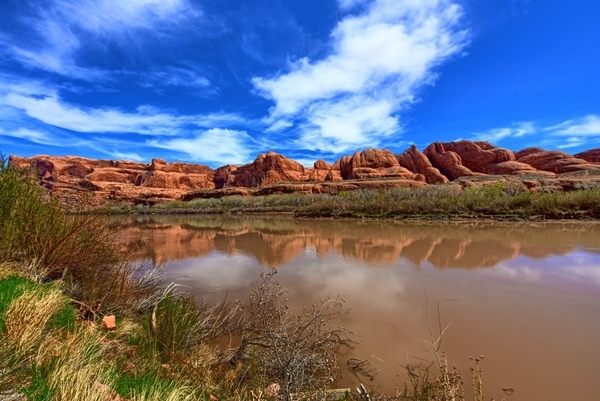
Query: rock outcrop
x=483, y=157
x=414, y=160
x=553, y=161
x=447, y=162
x=471, y=163
x=373, y=164
x=319, y=171
x=266, y=169
x=590, y=156
x=76, y=177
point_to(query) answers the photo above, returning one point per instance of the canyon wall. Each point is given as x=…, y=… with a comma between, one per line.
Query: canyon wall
x=471, y=163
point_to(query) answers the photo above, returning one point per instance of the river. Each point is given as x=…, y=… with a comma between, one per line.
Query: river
x=525, y=295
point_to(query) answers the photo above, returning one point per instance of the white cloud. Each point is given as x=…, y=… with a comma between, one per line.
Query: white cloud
x=67, y=27
x=279, y=125
x=144, y=120
x=38, y=137
x=132, y=156
x=572, y=142
x=341, y=126
x=214, y=145
x=587, y=126
x=380, y=59
x=175, y=76
x=578, y=132
x=494, y=135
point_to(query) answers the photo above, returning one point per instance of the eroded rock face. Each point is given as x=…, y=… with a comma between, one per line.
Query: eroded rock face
x=319, y=171
x=553, y=161
x=478, y=157
x=76, y=177
x=480, y=163
x=448, y=163
x=373, y=164
x=415, y=161
x=590, y=156
x=266, y=169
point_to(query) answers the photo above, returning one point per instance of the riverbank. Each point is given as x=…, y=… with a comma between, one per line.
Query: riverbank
x=78, y=321
x=504, y=201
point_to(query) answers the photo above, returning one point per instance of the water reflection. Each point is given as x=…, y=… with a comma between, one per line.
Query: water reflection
x=525, y=295
x=276, y=241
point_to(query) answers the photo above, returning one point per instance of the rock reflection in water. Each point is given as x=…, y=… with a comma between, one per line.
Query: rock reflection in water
x=275, y=241
x=527, y=296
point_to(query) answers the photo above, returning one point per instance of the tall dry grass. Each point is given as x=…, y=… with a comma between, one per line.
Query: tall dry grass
x=79, y=249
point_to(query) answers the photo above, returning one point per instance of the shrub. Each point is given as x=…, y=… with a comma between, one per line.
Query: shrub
x=80, y=249
x=299, y=351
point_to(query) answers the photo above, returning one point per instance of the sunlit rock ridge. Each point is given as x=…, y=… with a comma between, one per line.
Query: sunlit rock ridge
x=463, y=162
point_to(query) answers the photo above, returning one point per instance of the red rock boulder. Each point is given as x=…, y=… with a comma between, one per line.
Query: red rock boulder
x=415, y=161
x=319, y=171
x=266, y=169
x=448, y=163
x=484, y=158
x=553, y=161
x=590, y=156
x=373, y=164
x=477, y=156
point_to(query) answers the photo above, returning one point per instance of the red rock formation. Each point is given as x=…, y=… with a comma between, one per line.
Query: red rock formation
x=72, y=177
x=447, y=162
x=553, y=161
x=266, y=169
x=373, y=164
x=130, y=182
x=415, y=161
x=478, y=157
x=590, y=156
x=223, y=176
x=320, y=171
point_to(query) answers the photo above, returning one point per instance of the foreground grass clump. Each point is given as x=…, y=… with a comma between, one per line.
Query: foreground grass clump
x=46, y=361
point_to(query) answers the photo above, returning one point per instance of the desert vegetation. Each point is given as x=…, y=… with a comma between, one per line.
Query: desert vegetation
x=501, y=200
x=62, y=273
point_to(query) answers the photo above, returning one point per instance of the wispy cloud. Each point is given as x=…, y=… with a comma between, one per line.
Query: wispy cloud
x=30, y=135
x=572, y=133
x=64, y=29
x=144, y=120
x=586, y=126
x=50, y=120
x=174, y=76
x=575, y=133
x=494, y=135
x=379, y=61
x=213, y=145
x=127, y=156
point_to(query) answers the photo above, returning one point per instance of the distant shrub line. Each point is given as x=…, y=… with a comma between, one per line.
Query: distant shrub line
x=500, y=200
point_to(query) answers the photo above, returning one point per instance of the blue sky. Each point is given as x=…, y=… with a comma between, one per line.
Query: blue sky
x=219, y=81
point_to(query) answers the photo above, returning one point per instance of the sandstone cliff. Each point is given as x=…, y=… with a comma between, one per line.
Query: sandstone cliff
x=474, y=163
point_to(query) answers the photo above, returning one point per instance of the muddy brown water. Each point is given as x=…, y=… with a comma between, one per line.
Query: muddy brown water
x=526, y=296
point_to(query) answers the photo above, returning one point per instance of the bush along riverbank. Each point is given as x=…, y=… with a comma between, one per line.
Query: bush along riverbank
x=500, y=200
x=79, y=322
